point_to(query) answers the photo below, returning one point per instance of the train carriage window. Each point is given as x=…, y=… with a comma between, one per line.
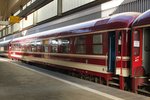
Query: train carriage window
x=14, y=47
x=39, y=46
x=147, y=40
x=17, y=47
x=33, y=46
x=28, y=47
x=97, y=44
x=23, y=47
x=1, y=48
x=33, y=49
x=119, y=43
x=5, y=48
x=64, y=45
x=54, y=45
x=46, y=48
x=46, y=45
x=97, y=39
x=136, y=43
x=80, y=43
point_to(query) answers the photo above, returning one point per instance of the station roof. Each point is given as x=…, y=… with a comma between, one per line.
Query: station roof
x=143, y=20
x=8, y=7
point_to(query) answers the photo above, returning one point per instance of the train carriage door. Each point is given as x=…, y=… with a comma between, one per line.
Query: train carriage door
x=112, y=52
x=136, y=53
x=146, y=50
x=46, y=49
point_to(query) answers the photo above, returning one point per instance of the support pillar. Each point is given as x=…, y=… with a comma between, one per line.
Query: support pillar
x=59, y=7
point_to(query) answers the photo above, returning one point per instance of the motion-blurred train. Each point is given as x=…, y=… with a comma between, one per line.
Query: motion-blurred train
x=113, y=50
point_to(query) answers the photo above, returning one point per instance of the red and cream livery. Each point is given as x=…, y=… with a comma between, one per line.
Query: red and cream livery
x=99, y=48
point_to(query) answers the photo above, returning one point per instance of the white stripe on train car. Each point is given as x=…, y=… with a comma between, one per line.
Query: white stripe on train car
x=70, y=64
x=104, y=57
x=142, y=26
x=125, y=72
x=78, y=65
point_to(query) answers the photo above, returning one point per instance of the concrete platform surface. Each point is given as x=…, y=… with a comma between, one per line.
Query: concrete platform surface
x=19, y=81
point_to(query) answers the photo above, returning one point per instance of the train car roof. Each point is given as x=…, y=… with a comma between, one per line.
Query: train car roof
x=3, y=43
x=118, y=21
x=76, y=28
x=122, y=20
x=143, y=20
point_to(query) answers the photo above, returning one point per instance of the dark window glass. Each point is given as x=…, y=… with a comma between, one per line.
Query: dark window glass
x=80, y=43
x=45, y=48
x=54, y=46
x=136, y=43
x=33, y=46
x=97, y=44
x=64, y=45
x=119, y=43
x=39, y=46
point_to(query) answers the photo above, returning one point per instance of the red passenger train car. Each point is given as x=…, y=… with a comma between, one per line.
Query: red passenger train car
x=4, y=48
x=109, y=49
x=140, y=61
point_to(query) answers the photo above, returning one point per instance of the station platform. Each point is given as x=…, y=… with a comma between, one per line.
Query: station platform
x=19, y=81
